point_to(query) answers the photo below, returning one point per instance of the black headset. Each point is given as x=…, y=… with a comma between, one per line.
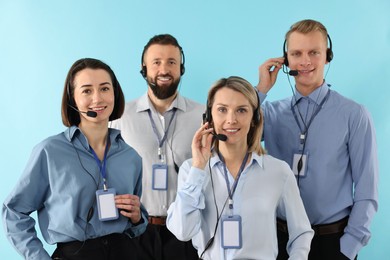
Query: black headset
x=143, y=71
x=256, y=113
x=329, y=52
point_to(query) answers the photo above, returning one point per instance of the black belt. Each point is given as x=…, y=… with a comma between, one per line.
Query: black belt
x=319, y=230
x=107, y=239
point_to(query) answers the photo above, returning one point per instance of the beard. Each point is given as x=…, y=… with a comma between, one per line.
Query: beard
x=164, y=92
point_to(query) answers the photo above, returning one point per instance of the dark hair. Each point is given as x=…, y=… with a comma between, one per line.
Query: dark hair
x=244, y=87
x=71, y=117
x=162, y=39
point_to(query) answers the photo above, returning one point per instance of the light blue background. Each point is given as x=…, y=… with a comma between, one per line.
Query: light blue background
x=39, y=40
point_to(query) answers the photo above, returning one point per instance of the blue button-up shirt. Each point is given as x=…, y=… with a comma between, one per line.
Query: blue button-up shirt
x=59, y=182
x=341, y=176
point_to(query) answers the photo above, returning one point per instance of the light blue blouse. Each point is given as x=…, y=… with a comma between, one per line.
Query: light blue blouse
x=265, y=185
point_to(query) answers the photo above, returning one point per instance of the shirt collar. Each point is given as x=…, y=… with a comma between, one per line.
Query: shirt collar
x=74, y=131
x=316, y=96
x=255, y=158
x=144, y=104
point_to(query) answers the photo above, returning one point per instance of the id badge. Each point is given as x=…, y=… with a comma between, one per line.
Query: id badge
x=106, y=204
x=160, y=177
x=231, y=232
x=299, y=164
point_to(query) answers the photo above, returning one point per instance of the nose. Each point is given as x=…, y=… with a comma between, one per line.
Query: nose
x=97, y=97
x=305, y=59
x=231, y=117
x=164, y=68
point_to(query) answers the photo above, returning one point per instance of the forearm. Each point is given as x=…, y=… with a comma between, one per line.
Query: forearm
x=357, y=233
x=20, y=231
x=184, y=215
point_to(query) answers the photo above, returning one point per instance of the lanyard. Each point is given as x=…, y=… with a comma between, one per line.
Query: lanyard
x=306, y=127
x=161, y=142
x=233, y=189
x=102, y=165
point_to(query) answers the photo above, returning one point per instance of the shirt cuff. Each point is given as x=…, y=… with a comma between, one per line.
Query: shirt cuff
x=350, y=246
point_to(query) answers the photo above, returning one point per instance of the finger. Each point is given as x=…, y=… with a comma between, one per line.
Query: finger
x=127, y=199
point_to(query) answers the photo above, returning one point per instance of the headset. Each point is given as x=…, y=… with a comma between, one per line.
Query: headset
x=143, y=71
x=256, y=113
x=329, y=52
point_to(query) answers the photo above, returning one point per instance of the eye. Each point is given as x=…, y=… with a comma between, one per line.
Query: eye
x=242, y=110
x=106, y=88
x=86, y=91
x=221, y=109
x=295, y=54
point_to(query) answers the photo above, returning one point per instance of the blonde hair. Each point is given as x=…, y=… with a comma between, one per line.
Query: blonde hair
x=244, y=87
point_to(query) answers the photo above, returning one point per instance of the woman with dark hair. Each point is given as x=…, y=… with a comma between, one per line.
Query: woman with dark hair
x=85, y=182
x=230, y=191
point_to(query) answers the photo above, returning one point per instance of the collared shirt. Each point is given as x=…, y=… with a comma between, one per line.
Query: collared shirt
x=137, y=131
x=265, y=185
x=342, y=168
x=59, y=182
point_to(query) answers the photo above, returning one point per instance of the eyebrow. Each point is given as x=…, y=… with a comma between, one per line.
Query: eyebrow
x=242, y=106
x=90, y=85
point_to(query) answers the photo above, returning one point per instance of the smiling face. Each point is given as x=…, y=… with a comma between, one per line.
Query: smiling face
x=93, y=91
x=307, y=54
x=163, y=69
x=232, y=115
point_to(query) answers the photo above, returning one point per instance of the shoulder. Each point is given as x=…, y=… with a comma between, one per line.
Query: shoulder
x=52, y=142
x=276, y=165
x=132, y=105
x=126, y=153
x=50, y=147
x=281, y=104
x=348, y=106
x=189, y=113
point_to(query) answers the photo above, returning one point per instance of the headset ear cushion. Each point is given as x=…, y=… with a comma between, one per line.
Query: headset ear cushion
x=329, y=55
x=143, y=71
x=182, y=69
x=285, y=59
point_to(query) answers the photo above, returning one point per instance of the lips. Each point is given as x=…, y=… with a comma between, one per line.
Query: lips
x=98, y=109
x=305, y=71
x=164, y=78
x=232, y=130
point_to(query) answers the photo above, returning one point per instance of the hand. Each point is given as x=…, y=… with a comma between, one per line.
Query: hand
x=201, y=146
x=129, y=206
x=268, y=73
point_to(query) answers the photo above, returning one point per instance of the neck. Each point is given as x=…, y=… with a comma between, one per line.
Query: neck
x=96, y=136
x=306, y=90
x=233, y=157
x=161, y=105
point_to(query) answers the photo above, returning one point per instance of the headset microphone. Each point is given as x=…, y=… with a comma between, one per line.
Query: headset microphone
x=291, y=72
x=89, y=113
x=220, y=137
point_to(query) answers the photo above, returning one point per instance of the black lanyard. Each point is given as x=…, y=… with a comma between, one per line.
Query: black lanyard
x=305, y=127
x=161, y=142
x=233, y=189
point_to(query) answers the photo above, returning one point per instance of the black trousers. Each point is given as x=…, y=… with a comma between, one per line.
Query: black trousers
x=158, y=243
x=110, y=247
x=324, y=247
